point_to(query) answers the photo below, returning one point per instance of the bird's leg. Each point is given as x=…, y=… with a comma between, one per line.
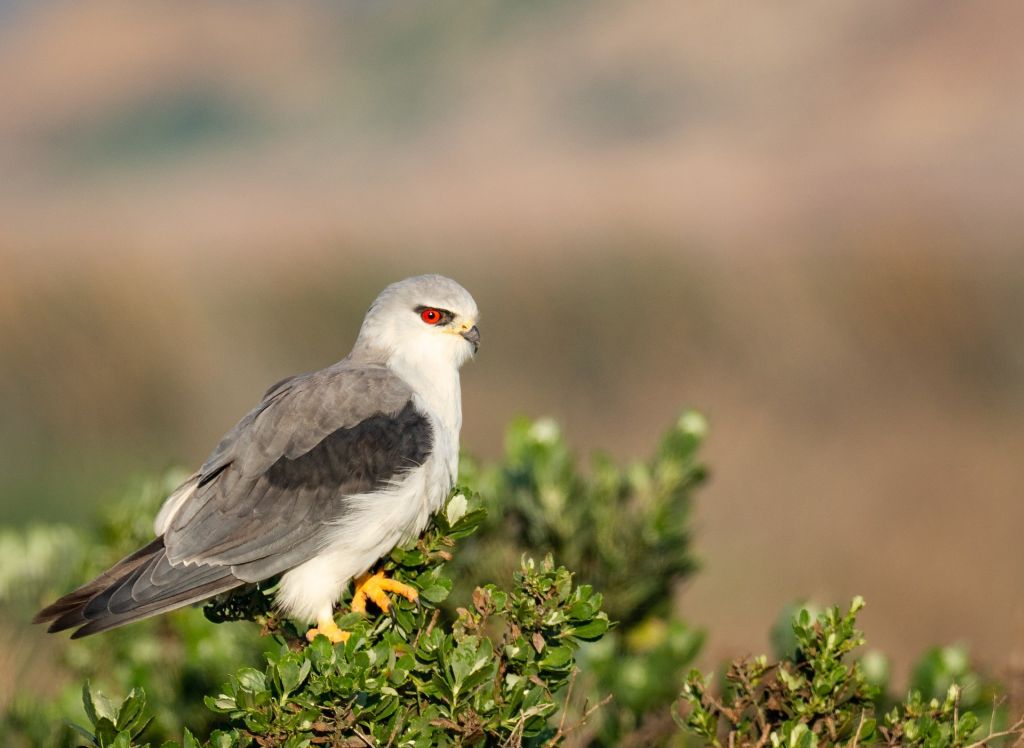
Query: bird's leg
x=373, y=587
x=325, y=625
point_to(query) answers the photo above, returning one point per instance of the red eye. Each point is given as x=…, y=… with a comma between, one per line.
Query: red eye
x=430, y=316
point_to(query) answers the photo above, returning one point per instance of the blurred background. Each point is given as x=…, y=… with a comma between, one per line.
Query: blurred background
x=804, y=221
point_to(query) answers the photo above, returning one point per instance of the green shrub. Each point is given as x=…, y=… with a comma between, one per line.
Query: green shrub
x=821, y=695
x=490, y=675
x=502, y=650
x=626, y=531
x=175, y=658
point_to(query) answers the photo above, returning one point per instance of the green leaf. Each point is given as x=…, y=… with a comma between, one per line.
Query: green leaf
x=867, y=729
x=131, y=712
x=90, y=737
x=106, y=733
x=188, y=741
x=222, y=739
x=456, y=509
x=469, y=661
x=969, y=724
x=250, y=679
x=222, y=703
x=292, y=671
x=123, y=740
x=97, y=705
x=591, y=630
x=437, y=592
x=88, y=703
x=556, y=657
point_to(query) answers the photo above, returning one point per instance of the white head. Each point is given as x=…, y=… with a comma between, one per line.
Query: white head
x=427, y=320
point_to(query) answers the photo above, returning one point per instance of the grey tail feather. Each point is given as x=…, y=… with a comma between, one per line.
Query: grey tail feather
x=105, y=622
x=87, y=607
x=112, y=576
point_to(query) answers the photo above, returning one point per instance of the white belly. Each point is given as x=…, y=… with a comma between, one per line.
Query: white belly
x=375, y=523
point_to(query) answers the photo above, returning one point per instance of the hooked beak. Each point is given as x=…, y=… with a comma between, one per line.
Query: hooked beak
x=473, y=336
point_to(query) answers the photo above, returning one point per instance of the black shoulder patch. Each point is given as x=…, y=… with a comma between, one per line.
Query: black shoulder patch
x=361, y=458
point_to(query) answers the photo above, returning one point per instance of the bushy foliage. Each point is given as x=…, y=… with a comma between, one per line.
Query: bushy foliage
x=501, y=650
x=821, y=695
x=491, y=675
x=175, y=657
x=621, y=530
x=624, y=530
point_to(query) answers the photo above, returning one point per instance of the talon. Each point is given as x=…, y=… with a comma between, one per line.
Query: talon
x=374, y=587
x=328, y=628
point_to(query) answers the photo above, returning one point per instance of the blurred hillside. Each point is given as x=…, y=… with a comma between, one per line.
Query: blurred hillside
x=804, y=222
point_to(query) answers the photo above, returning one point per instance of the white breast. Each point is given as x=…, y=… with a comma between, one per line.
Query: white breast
x=378, y=521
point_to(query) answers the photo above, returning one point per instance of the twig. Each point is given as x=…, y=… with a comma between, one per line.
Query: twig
x=1015, y=729
x=762, y=721
x=856, y=735
x=568, y=698
x=430, y=627
x=956, y=713
x=366, y=741
x=394, y=732
x=732, y=715
x=558, y=736
x=433, y=621
x=765, y=734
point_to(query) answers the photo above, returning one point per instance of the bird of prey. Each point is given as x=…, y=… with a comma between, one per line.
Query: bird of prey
x=327, y=474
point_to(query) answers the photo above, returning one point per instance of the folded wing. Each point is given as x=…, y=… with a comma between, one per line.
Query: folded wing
x=264, y=500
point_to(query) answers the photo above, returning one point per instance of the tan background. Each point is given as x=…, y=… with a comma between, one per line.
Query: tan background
x=803, y=219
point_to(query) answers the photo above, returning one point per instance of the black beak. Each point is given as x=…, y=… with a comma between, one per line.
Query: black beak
x=473, y=336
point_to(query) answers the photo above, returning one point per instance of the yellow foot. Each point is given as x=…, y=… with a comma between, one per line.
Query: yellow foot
x=374, y=587
x=328, y=628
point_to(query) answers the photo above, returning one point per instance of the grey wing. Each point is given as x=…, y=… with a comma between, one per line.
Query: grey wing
x=262, y=501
